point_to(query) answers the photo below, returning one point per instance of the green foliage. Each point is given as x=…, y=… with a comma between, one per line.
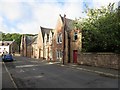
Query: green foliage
x=100, y=29
x=11, y=37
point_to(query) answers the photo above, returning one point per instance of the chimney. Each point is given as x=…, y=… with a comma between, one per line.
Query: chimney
x=60, y=15
x=64, y=16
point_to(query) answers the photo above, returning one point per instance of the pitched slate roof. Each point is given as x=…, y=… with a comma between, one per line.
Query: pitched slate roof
x=68, y=24
x=45, y=31
x=31, y=39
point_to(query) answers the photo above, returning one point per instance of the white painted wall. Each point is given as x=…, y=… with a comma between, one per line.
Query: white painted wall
x=2, y=49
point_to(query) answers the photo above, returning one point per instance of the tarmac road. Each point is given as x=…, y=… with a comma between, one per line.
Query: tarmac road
x=32, y=73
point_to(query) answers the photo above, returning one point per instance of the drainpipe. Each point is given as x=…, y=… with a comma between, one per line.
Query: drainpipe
x=64, y=53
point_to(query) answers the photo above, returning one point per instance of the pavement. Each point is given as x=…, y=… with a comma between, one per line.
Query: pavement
x=99, y=70
x=7, y=82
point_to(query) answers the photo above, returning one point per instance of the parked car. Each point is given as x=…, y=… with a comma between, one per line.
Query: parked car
x=7, y=57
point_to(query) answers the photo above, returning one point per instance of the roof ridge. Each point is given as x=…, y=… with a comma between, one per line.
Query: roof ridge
x=45, y=27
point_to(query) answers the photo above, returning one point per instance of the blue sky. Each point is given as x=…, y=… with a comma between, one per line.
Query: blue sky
x=26, y=16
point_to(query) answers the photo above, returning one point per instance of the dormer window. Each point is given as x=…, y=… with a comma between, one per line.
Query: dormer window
x=8, y=44
x=2, y=44
x=75, y=35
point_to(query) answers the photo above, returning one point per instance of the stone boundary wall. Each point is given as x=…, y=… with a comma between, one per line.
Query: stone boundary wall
x=106, y=60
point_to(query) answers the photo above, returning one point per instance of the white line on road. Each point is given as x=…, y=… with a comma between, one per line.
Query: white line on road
x=10, y=76
x=24, y=66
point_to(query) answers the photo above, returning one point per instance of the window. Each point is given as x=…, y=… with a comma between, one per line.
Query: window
x=47, y=37
x=50, y=40
x=75, y=36
x=2, y=44
x=59, y=38
x=45, y=41
x=7, y=43
x=59, y=54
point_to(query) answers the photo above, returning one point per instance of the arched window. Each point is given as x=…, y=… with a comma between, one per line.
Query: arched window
x=59, y=38
x=75, y=36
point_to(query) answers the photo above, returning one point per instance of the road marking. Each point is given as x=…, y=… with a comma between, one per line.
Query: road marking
x=23, y=66
x=33, y=77
x=14, y=84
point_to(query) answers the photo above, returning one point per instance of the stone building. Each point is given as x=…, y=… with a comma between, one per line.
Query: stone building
x=47, y=35
x=61, y=44
x=66, y=41
x=38, y=46
x=26, y=43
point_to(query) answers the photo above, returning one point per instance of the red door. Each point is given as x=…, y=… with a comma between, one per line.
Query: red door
x=74, y=56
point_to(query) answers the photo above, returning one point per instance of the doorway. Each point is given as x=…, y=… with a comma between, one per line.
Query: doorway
x=74, y=56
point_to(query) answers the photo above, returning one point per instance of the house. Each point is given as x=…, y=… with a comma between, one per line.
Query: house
x=26, y=45
x=66, y=41
x=47, y=35
x=32, y=49
x=8, y=47
x=61, y=44
x=39, y=46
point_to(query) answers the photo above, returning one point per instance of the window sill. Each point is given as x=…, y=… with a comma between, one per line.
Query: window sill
x=59, y=43
x=74, y=40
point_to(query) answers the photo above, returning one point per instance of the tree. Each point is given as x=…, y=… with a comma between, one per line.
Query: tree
x=100, y=29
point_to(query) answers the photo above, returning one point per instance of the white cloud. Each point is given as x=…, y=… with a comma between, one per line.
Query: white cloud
x=43, y=14
x=11, y=10
x=46, y=15
x=73, y=10
x=2, y=26
x=29, y=27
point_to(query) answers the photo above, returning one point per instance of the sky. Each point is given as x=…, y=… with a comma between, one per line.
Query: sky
x=26, y=16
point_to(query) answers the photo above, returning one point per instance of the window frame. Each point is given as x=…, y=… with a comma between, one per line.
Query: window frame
x=75, y=36
x=59, y=38
x=57, y=54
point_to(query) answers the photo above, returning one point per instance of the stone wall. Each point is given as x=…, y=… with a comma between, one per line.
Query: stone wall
x=106, y=60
